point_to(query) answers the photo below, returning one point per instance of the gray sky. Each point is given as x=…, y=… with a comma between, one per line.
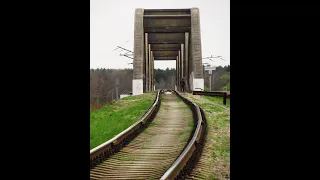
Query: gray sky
x=112, y=23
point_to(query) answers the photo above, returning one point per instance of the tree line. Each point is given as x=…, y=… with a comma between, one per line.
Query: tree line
x=220, y=79
x=103, y=82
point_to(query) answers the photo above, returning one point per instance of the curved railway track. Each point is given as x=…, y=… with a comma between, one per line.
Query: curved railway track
x=166, y=149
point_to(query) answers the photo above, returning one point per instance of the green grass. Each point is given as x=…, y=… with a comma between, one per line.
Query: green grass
x=218, y=119
x=154, y=124
x=126, y=158
x=218, y=100
x=191, y=123
x=185, y=134
x=112, y=119
x=186, y=131
x=212, y=108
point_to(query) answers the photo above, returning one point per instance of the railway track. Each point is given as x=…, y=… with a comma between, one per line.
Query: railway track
x=166, y=149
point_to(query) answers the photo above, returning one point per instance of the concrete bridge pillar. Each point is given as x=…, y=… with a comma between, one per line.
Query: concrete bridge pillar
x=182, y=61
x=138, y=58
x=178, y=72
x=152, y=71
x=186, y=51
x=177, y=82
x=150, y=68
x=147, y=63
x=196, y=76
x=154, y=86
x=180, y=67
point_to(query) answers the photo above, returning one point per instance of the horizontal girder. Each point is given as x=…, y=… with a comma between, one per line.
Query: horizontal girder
x=176, y=16
x=165, y=53
x=167, y=29
x=166, y=22
x=165, y=58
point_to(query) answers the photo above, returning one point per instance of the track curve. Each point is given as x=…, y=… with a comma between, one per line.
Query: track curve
x=151, y=153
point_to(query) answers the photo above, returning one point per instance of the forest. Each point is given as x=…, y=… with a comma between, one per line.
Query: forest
x=103, y=82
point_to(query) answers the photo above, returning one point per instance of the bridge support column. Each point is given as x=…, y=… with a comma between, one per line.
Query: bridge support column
x=178, y=73
x=182, y=62
x=180, y=68
x=196, y=79
x=149, y=70
x=154, y=81
x=153, y=78
x=152, y=71
x=186, y=51
x=138, y=58
x=147, y=75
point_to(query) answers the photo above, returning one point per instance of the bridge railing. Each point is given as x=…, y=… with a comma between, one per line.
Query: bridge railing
x=223, y=94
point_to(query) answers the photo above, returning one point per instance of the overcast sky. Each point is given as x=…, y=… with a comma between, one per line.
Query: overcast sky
x=112, y=24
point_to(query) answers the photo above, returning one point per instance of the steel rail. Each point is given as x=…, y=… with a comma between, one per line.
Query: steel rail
x=187, y=158
x=104, y=150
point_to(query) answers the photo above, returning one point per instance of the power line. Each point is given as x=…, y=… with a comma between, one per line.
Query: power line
x=128, y=54
x=121, y=45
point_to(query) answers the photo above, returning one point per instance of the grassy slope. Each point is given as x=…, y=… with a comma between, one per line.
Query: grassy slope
x=218, y=100
x=218, y=118
x=112, y=119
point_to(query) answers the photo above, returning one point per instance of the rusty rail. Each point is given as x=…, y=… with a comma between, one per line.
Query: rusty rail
x=105, y=150
x=185, y=162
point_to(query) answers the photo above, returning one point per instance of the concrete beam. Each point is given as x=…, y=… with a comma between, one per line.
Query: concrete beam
x=166, y=41
x=168, y=47
x=167, y=29
x=164, y=53
x=167, y=22
x=156, y=58
x=167, y=16
x=147, y=11
x=166, y=36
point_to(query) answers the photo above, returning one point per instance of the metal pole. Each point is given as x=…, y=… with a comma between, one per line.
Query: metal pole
x=210, y=82
x=225, y=98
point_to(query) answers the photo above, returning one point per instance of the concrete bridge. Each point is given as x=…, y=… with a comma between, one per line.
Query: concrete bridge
x=167, y=34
